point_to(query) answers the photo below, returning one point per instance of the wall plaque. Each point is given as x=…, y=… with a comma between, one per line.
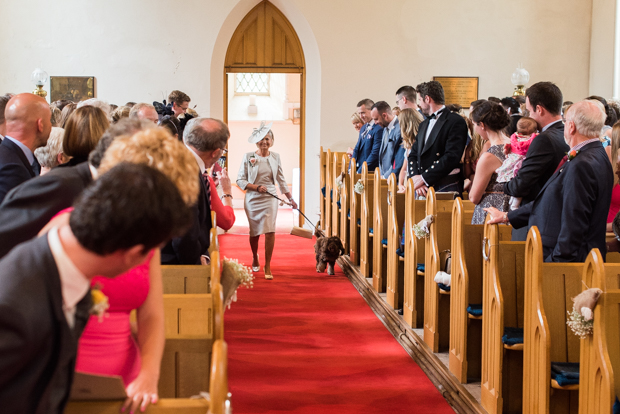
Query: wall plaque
x=72, y=88
x=459, y=90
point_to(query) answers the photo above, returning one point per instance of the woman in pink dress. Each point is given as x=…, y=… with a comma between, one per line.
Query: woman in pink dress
x=107, y=345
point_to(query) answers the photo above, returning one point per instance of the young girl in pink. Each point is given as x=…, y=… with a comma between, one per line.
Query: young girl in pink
x=515, y=154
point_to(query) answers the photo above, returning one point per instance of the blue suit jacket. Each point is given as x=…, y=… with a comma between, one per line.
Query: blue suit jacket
x=14, y=167
x=367, y=147
x=571, y=209
x=392, y=144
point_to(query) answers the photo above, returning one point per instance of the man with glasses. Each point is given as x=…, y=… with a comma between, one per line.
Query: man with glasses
x=180, y=102
x=206, y=138
x=407, y=97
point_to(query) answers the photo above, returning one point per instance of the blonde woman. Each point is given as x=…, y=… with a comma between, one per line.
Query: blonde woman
x=258, y=174
x=410, y=121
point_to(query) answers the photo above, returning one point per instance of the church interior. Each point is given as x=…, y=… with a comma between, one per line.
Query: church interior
x=379, y=335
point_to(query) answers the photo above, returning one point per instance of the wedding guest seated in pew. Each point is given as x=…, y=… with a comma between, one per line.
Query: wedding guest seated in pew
x=369, y=141
x=490, y=120
x=45, y=301
x=31, y=205
x=441, y=140
x=571, y=209
x=107, y=346
x=544, y=104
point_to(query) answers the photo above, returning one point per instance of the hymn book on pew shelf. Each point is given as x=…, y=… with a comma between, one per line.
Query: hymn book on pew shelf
x=97, y=387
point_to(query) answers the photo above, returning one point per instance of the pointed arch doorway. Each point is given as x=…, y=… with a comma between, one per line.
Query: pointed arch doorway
x=265, y=54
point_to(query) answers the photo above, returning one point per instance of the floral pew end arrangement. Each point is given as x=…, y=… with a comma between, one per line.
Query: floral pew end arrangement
x=421, y=229
x=234, y=274
x=359, y=187
x=339, y=181
x=580, y=320
x=443, y=278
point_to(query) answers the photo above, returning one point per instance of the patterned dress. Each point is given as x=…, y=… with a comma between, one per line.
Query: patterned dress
x=494, y=194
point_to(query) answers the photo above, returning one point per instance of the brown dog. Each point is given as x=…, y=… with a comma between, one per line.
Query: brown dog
x=328, y=250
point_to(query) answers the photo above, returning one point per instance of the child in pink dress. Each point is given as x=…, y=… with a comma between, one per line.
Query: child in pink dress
x=515, y=154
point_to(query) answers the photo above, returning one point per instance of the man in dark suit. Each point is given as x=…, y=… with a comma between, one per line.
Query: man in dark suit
x=206, y=138
x=45, y=301
x=27, y=208
x=28, y=125
x=391, y=152
x=544, y=101
x=369, y=141
x=439, y=146
x=571, y=209
x=512, y=108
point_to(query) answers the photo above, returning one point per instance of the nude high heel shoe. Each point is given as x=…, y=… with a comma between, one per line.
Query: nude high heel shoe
x=256, y=268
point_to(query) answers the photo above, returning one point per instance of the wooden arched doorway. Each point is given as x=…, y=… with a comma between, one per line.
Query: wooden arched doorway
x=265, y=42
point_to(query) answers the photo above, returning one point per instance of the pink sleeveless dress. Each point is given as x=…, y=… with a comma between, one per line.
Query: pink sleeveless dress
x=108, y=347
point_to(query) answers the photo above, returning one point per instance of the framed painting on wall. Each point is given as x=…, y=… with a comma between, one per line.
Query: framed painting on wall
x=72, y=88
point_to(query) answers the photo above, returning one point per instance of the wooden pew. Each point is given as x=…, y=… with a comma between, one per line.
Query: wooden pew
x=599, y=361
x=466, y=289
x=336, y=167
x=503, y=271
x=413, y=301
x=322, y=182
x=379, y=254
x=345, y=202
x=218, y=393
x=436, y=302
x=354, y=206
x=193, y=322
x=395, y=263
x=366, y=209
x=326, y=221
x=549, y=288
x=186, y=278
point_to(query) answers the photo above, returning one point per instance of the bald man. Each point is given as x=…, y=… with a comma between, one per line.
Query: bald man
x=28, y=125
x=144, y=111
x=571, y=209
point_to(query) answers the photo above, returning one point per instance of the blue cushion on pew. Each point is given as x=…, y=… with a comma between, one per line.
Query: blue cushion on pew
x=617, y=406
x=384, y=242
x=420, y=267
x=370, y=231
x=359, y=222
x=443, y=287
x=338, y=203
x=323, y=191
x=474, y=309
x=512, y=336
x=400, y=251
x=565, y=373
x=349, y=214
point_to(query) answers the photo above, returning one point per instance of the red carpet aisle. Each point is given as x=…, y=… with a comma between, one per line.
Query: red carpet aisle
x=308, y=343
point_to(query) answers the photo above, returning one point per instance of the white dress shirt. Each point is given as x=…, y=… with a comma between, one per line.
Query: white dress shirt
x=431, y=123
x=73, y=284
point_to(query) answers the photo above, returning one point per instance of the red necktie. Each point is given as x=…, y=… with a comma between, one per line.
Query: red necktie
x=205, y=177
x=561, y=163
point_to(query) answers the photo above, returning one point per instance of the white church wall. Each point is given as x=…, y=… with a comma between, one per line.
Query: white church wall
x=140, y=51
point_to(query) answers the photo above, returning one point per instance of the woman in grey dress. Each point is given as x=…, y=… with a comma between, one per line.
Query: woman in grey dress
x=489, y=119
x=258, y=174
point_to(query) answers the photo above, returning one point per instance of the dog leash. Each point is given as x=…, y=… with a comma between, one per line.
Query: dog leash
x=300, y=212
